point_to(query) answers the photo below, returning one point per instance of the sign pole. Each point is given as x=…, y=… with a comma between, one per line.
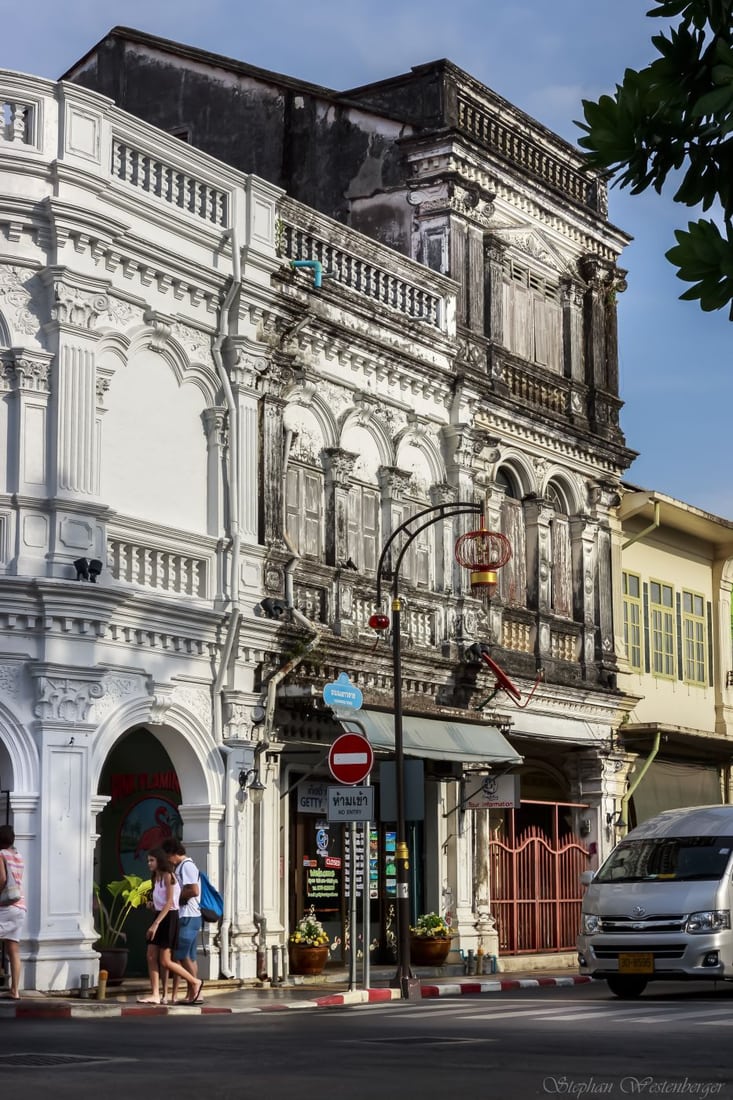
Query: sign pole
x=352, y=907
x=366, y=904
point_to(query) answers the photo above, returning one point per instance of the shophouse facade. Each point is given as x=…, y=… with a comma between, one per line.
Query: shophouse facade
x=445, y=172
x=232, y=440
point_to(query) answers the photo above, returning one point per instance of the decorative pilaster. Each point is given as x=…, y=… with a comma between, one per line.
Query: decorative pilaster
x=494, y=253
x=25, y=374
x=63, y=930
x=572, y=314
x=393, y=484
x=339, y=468
x=538, y=516
x=444, y=541
x=246, y=372
x=214, y=419
x=583, y=535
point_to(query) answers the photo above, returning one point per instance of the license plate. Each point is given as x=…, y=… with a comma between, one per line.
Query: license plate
x=636, y=962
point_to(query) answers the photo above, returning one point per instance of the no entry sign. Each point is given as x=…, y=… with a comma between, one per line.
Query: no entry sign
x=350, y=759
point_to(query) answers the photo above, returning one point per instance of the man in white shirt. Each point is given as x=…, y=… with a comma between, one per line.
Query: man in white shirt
x=189, y=923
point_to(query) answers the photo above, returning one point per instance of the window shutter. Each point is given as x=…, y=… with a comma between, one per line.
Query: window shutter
x=680, y=648
x=709, y=616
x=647, y=657
x=562, y=592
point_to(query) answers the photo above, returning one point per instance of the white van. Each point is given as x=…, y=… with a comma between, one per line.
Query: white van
x=660, y=906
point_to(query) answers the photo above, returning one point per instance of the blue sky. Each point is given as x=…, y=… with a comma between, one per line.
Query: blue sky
x=545, y=56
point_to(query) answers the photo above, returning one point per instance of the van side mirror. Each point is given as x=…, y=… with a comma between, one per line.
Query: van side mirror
x=586, y=877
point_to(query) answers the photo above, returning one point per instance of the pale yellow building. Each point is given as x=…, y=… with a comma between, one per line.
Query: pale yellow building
x=673, y=619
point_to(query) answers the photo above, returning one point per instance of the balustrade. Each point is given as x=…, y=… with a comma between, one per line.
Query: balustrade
x=163, y=570
x=16, y=121
x=363, y=277
x=168, y=183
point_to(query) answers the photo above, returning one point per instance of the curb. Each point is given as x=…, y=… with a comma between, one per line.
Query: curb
x=66, y=1010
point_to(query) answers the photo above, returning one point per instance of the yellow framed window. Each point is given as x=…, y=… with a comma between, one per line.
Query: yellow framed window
x=661, y=617
x=694, y=637
x=632, y=619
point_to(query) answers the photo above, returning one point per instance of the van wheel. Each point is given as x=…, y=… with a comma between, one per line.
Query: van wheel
x=627, y=988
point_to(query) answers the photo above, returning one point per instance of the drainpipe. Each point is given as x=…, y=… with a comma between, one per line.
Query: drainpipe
x=647, y=530
x=235, y=613
x=315, y=265
x=225, y=965
x=624, y=815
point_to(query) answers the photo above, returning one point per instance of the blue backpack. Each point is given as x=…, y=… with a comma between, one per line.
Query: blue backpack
x=210, y=901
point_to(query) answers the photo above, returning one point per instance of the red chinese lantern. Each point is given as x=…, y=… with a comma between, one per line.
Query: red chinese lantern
x=483, y=552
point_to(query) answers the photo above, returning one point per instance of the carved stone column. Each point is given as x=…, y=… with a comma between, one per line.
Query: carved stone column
x=62, y=933
x=444, y=541
x=609, y=612
x=573, y=348
x=271, y=422
x=339, y=467
x=583, y=536
x=393, y=484
x=494, y=253
x=538, y=515
x=488, y=937
x=214, y=419
x=245, y=374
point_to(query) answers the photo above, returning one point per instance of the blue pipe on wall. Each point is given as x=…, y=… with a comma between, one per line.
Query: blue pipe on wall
x=317, y=267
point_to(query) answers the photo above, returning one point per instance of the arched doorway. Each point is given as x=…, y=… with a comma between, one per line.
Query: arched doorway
x=144, y=795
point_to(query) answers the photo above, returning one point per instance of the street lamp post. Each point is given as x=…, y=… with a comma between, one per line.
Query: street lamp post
x=379, y=621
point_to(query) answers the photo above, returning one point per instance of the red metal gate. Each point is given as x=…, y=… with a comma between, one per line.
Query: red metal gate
x=535, y=885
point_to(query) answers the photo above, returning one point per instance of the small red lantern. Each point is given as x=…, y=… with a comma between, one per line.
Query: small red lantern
x=379, y=621
x=483, y=552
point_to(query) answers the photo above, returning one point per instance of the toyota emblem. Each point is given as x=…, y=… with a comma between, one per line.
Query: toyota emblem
x=638, y=911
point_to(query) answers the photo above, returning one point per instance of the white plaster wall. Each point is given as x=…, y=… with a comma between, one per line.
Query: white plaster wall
x=154, y=446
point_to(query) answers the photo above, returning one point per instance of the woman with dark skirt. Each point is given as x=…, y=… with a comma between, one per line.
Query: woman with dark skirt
x=163, y=932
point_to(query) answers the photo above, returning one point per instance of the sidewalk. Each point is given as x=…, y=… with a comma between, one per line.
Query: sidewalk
x=228, y=997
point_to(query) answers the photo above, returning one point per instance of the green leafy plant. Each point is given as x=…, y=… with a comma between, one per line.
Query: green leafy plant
x=309, y=932
x=430, y=926
x=126, y=894
x=672, y=121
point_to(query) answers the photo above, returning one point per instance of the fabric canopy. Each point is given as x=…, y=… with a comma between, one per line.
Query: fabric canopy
x=437, y=738
x=668, y=785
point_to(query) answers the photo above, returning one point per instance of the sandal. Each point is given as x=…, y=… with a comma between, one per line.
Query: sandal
x=197, y=999
x=147, y=1001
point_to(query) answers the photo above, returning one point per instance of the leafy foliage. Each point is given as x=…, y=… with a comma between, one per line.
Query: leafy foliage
x=430, y=926
x=126, y=894
x=674, y=119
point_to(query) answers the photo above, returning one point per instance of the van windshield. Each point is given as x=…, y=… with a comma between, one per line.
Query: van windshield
x=668, y=859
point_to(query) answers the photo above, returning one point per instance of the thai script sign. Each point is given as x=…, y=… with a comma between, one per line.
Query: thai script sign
x=350, y=804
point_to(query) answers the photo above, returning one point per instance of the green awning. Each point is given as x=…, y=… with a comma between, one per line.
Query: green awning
x=437, y=738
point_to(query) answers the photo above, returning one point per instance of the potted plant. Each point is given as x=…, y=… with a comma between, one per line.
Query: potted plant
x=308, y=945
x=429, y=940
x=125, y=894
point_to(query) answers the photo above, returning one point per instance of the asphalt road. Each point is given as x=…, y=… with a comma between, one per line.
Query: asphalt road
x=676, y=1041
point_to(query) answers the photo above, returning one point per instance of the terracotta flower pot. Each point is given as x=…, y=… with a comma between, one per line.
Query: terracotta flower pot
x=307, y=960
x=429, y=950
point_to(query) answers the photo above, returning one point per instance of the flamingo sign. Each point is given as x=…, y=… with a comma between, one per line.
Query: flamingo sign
x=145, y=826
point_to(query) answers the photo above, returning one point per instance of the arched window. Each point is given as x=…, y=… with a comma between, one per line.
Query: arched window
x=304, y=484
x=418, y=562
x=513, y=577
x=363, y=541
x=561, y=592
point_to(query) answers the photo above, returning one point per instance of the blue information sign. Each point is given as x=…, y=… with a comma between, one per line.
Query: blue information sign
x=341, y=694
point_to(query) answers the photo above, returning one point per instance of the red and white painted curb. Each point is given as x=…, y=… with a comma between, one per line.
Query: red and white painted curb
x=39, y=1008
